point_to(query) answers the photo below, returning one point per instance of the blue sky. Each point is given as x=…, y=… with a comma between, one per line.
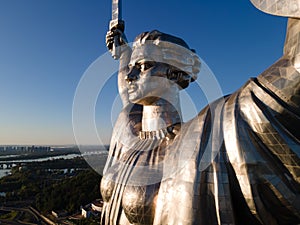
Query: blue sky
x=47, y=45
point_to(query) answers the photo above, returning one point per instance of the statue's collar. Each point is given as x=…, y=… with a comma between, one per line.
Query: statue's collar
x=168, y=132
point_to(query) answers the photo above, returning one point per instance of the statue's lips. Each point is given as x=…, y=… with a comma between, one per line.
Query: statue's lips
x=132, y=88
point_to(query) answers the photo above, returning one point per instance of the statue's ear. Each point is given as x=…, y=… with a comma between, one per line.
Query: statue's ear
x=288, y=8
x=180, y=77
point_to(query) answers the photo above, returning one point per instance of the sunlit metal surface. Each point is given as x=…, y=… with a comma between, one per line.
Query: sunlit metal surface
x=237, y=162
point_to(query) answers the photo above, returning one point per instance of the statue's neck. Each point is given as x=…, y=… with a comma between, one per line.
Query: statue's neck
x=161, y=115
x=292, y=42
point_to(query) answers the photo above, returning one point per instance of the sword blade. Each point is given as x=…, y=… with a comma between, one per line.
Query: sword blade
x=116, y=23
x=116, y=10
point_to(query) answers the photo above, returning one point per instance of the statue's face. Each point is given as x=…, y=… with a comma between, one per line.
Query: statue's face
x=147, y=82
x=287, y=8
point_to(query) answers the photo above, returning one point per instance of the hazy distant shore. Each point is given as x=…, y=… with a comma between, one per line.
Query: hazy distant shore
x=16, y=153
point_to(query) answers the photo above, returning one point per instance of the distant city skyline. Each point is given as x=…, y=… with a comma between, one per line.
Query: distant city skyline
x=46, y=47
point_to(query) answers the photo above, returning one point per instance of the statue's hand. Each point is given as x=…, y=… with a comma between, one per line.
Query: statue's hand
x=110, y=38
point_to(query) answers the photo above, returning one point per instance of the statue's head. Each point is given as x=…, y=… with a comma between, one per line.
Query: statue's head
x=156, y=55
x=286, y=8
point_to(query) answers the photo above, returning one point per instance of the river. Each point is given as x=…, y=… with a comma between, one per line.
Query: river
x=6, y=171
x=69, y=156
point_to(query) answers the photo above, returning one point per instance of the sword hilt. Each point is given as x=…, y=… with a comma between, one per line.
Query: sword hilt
x=113, y=25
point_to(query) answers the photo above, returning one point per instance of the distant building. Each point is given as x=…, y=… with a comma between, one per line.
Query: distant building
x=59, y=214
x=92, y=209
x=86, y=211
x=97, y=205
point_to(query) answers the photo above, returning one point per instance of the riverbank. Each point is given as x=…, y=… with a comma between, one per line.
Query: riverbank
x=13, y=158
x=31, y=153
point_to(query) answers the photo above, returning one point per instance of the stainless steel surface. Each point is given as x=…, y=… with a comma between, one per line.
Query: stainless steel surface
x=237, y=162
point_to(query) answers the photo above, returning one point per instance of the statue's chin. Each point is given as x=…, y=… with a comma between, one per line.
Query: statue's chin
x=144, y=101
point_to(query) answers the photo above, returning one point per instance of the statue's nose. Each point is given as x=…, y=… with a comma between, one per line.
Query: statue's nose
x=132, y=75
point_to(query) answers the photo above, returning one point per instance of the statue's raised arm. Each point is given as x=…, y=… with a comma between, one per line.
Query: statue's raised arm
x=123, y=55
x=124, y=58
x=283, y=78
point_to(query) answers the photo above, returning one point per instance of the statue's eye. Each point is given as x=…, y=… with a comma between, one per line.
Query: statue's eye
x=138, y=66
x=146, y=65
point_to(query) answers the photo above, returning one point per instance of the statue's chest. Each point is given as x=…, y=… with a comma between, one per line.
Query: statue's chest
x=139, y=203
x=133, y=183
x=137, y=197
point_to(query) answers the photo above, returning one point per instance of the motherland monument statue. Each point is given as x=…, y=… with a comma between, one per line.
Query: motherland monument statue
x=236, y=162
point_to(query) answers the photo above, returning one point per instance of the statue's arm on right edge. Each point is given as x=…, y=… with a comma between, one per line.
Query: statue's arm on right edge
x=283, y=77
x=125, y=54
